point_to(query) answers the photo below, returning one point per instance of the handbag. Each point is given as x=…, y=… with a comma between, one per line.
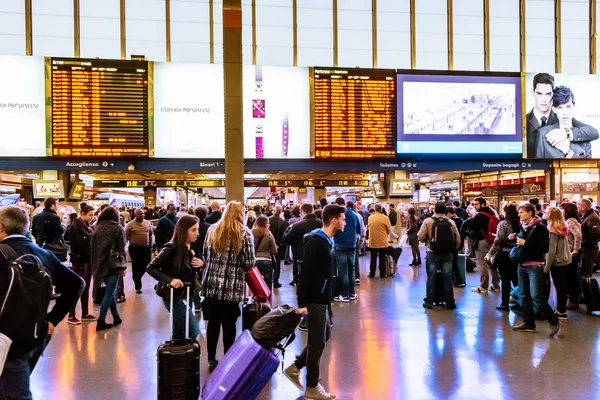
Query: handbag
x=116, y=261
x=58, y=248
x=516, y=253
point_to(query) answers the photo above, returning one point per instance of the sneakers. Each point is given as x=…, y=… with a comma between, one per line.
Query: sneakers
x=357, y=282
x=555, y=330
x=318, y=393
x=560, y=315
x=428, y=306
x=89, y=318
x=138, y=291
x=523, y=327
x=101, y=325
x=353, y=296
x=293, y=374
x=479, y=289
x=73, y=321
x=495, y=289
x=212, y=365
x=303, y=326
x=340, y=299
x=117, y=321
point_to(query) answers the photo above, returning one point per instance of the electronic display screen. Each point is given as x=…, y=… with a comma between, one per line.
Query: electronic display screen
x=401, y=187
x=459, y=114
x=43, y=189
x=562, y=117
x=76, y=191
x=99, y=108
x=354, y=113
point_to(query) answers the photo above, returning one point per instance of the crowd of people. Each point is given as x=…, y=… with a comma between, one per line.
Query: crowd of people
x=209, y=249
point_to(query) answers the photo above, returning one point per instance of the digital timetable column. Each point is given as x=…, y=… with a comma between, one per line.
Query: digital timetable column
x=354, y=113
x=99, y=107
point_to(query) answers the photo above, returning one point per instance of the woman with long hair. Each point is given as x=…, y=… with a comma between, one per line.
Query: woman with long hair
x=499, y=253
x=250, y=219
x=558, y=258
x=571, y=216
x=264, y=248
x=229, y=254
x=175, y=266
x=413, y=224
x=107, y=258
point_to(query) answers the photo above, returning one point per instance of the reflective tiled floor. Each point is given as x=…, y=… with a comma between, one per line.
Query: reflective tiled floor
x=384, y=346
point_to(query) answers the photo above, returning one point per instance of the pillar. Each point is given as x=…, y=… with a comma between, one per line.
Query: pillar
x=150, y=196
x=320, y=193
x=232, y=71
x=310, y=195
x=296, y=196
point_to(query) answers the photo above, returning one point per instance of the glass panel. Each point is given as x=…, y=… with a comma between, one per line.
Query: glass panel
x=575, y=36
x=315, y=33
x=355, y=39
x=100, y=29
x=146, y=29
x=12, y=28
x=468, y=35
x=274, y=33
x=190, y=31
x=540, y=35
x=504, y=36
x=52, y=24
x=393, y=34
x=431, y=31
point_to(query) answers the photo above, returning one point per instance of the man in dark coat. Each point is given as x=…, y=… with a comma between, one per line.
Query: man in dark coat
x=47, y=227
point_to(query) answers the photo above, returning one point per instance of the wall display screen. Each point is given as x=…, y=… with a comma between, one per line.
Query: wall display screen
x=99, y=108
x=379, y=189
x=22, y=114
x=459, y=114
x=76, y=192
x=43, y=189
x=401, y=187
x=276, y=112
x=354, y=113
x=189, y=111
x=562, y=117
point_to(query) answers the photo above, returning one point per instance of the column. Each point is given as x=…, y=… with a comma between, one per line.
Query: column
x=296, y=196
x=150, y=196
x=320, y=193
x=232, y=69
x=310, y=195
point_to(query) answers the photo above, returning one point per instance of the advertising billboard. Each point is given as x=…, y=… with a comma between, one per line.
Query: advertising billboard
x=401, y=187
x=276, y=112
x=459, y=114
x=189, y=111
x=43, y=189
x=22, y=113
x=562, y=118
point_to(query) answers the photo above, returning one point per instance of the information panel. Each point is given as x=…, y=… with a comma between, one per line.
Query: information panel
x=99, y=107
x=354, y=113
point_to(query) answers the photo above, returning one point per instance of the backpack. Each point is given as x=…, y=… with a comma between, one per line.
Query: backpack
x=25, y=293
x=277, y=325
x=442, y=240
x=492, y=228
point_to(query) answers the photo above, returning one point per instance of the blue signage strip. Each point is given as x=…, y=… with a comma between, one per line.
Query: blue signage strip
x=62, y=165
x=516, y=165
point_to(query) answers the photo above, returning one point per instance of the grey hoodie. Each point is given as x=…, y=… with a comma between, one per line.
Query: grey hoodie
x=559, y=253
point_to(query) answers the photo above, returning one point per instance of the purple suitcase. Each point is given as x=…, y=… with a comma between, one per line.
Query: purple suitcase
x=242, y=373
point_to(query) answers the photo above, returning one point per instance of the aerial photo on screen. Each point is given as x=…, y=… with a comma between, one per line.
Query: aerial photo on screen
x=454, y=108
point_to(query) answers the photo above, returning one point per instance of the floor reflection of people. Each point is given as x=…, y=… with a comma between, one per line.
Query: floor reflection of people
x=567, y=137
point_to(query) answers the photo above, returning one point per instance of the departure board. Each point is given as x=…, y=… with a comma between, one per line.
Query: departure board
x=99, y=107
x=354, y=113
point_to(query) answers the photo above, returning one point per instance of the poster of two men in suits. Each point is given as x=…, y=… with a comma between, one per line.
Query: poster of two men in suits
x=555, y=120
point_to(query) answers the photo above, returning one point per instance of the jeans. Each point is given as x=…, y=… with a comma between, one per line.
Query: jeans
x=319, y=332
x=84, y=271
x=266, y=270
x=530, y=281
x=587, y=261
x=140, y=258
x=485, y=269
x=356, y=263
x=221, y=314
x=559, y=277
x=508, y=274
x=573, y=281
x=110, y=298
x=457, y=277
x=378, y=253
x=344, y=259
x=14, y=381
x=436, y=262
x=179, y=311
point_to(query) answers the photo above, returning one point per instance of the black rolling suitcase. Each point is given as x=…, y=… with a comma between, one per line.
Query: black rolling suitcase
x=438, y=289
x=395, y=252
x=179, y=364
x=591, y=293
x=252, y=311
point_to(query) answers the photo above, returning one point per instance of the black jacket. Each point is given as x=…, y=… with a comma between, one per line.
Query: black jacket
x=68, y=284
x=164, y=230
x=108, y=237
x=198, y=247
x=461, y=213
x=46, y=227
x=294, y=235
x=277, y=228
x=479, y=228
x=537, y=241
x=314, y=286
x=590, y=230
x=533, y=127
x=164, y=270
x=214, y=217
x=80, y=237
x=393, y=217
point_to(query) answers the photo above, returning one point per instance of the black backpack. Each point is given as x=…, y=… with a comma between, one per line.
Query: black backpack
x=442, y=240
x=274, y=327
x=25, y=293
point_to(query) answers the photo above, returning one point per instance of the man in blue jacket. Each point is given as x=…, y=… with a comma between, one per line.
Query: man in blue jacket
x=345, y=253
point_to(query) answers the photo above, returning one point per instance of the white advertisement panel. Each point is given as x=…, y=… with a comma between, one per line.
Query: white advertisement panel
x=189, y=115
x=276, y=112
x=22, y=112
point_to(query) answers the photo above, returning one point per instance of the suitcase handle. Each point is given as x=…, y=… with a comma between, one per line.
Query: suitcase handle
x=187, y=312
